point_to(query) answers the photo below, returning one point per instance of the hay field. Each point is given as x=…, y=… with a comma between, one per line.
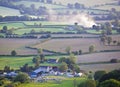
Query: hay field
x=59, y=45
x=7, y=45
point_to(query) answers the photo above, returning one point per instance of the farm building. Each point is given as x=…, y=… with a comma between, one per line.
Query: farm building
x=52, y=61
x=43, y=69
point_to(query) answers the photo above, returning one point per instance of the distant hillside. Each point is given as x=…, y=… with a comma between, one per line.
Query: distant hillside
x=38, y=4
x=86, y=2
x=4, y=11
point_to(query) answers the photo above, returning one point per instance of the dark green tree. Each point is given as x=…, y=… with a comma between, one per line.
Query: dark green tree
x=13, y=53
x=22, y=77
x=87, y=83
x=99, y=74
x=63, y=67
x=91, y=48
x=115, y=74
x=110, y=83
x=109, y=40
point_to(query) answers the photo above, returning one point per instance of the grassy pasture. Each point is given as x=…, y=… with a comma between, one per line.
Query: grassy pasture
x=27, y=30
x=7, y=45
x=11, y=25
x=44, y=22
x=15, y=62
x=59, y=45
x=38, y=4
x=67, y=82
x=4, y=11
x=99, y=32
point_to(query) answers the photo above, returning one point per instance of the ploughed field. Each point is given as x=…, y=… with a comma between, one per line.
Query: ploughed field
x=76, y=44
x=98, y=61
x=19, y=45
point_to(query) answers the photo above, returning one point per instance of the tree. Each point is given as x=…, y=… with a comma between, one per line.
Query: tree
x=4, y=30
x=109, y=83
x=91, y=48
x=108, y=28
x=63, y=59
x=25, y=68
x=114, y=42
x=99, y=74
x=87, y=83
x=63, y=67
x=7, y=69
x=80, y=52
x=68, y=50
x=13, y=53
x=22, y=77
x=103, y=39
x=109, y=40
x=115, y=74
x=37, y=61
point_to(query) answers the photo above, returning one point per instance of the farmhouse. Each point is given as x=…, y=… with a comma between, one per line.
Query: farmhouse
x=40, y=70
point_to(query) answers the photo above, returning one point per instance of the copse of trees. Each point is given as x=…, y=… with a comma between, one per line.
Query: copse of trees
x=87, y=83
x=111, y=75
x=22, y=77
x=71, y=62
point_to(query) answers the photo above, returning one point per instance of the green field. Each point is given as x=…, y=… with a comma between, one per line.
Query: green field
x=67, y=82
x=27, y=30
x=14, y=62
x=4, y=11
x=44, y=23
x=38, y=4
x=17, y=62
x=11, y=25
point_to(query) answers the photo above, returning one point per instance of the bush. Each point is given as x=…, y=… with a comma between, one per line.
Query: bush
x=110, y=83
x=13, y=53
x=22, y=78
x=99, y=74
x=87, y=83
x=114, y=61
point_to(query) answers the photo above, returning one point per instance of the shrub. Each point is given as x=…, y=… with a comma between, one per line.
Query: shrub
x=114, y=60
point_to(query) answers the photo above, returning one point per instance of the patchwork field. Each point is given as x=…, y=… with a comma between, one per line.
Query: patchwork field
x=12, y=12
x=59, y=45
